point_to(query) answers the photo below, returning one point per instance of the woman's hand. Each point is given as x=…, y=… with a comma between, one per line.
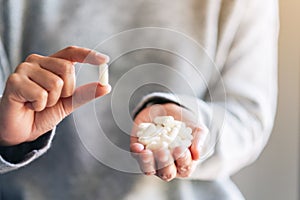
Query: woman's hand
x=41, y=92
x=165, y=163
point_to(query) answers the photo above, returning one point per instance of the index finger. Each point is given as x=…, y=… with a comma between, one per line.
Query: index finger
x=82, y=55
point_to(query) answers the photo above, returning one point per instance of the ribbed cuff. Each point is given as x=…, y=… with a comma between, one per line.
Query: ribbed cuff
x=14, y=157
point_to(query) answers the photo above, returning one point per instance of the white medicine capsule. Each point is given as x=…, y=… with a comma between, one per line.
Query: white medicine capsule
x=164, y=120
x=175, y=130
x=103, y=74
x=144, y=126
x=150, y=131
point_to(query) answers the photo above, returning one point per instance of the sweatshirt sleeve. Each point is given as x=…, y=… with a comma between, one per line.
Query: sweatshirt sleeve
x=240, y=124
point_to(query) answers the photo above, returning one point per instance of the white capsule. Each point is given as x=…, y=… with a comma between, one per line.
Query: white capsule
x=181, y=137
x=174, y=132
x=168, y=129
x=177, y=124
x=103, y=74
x=190, y=137
x=148, y=140
x=154, y=146
x=143, y=126
x=144, y=140
x=163, y=120
x=167, y=139
x=140, y=133
x=174, y=144
x=158, y=131
x=188, y=131
x=150, y=131
x=164, y=132
x=186, y=143
x=164, y=145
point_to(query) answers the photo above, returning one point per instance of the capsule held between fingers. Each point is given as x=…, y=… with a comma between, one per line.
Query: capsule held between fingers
x=103, y=74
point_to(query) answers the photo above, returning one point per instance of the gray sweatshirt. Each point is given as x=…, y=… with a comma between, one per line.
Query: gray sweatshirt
x=216, y=58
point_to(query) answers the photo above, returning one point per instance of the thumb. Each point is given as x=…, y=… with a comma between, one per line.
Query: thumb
x=85, y=94
x=200, y=135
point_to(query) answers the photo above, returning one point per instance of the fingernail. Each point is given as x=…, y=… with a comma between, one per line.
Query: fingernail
x=105, y=58
x=139, y=146
x=150, y=173
x=166, y=177
x=108, y=88
x=136, y=147
x=184, y=169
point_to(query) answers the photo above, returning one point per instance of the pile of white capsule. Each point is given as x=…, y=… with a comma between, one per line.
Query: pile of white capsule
x=164, y=132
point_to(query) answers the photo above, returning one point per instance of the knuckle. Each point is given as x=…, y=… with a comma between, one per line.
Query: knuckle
x=68, y=68
x=24, y=66
x=68, y=89
x=42, y=95
x=71, y=48
x=41, y=100
x=32, y=57
x=57, y=83
x=13, y=79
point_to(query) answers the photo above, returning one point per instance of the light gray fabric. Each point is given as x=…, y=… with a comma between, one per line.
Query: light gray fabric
x=4, y=67
x=239, y=36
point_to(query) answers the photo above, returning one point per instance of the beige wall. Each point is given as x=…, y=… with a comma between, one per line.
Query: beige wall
x=276, y=173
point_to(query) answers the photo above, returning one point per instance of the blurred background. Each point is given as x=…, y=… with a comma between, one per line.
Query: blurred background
x=275, y=175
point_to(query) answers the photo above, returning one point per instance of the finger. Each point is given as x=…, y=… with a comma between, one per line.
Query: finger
x=199, y=137
x=85, y=94
x=135, y=149
x=147, y=162
x=50, y=82
x=82, y=55
x=21, y=89
x=183, y=160
x=166, y=168
x=63, y=68
x=144, y=157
